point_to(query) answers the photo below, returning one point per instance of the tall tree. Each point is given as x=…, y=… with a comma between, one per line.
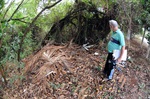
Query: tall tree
x=148, y=49
x=145, y=17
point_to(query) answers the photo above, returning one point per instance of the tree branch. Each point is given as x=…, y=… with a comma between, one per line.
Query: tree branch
x=20, y=19
x=124, y=9
x=47, y=7
x=8, y=9
x=15, y=10
x=17, y=19
x=30, y=26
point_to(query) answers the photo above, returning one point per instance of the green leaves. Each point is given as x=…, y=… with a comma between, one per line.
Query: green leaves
x=145, y=15
x=148, y=37
x=1, y=4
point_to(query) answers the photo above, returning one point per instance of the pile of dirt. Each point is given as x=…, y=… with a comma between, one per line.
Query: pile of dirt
x=71, y=72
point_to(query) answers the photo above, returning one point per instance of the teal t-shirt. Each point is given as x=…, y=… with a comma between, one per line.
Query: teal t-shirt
x=118, y=35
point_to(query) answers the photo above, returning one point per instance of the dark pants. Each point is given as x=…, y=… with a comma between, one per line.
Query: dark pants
x=108, y=64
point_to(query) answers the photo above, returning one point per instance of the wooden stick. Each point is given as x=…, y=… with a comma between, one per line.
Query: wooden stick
x=123, y=83
x=121, y=78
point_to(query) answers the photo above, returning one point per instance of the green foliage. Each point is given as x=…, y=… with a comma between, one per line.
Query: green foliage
x=142, y=86
x=148, y=37
x=14, y=78
x=1, y=4
x=144, y=17
x=53, y=15
x=55, y=86
x=11, y=32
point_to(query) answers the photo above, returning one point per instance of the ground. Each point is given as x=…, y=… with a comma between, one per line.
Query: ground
x=71, y=72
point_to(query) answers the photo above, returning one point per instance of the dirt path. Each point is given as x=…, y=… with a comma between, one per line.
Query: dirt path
x=138, y=39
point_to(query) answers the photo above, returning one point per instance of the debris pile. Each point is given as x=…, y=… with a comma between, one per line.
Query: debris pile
x=63, y=70
x=72, y=72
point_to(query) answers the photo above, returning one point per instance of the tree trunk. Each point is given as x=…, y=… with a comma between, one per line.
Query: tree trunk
x=148, y=52
x=143, y=36
x=129, y=32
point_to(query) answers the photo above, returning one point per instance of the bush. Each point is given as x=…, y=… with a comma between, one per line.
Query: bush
x=148, y=38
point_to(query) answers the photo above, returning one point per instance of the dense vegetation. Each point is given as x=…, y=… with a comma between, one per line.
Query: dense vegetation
x=28, y=25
